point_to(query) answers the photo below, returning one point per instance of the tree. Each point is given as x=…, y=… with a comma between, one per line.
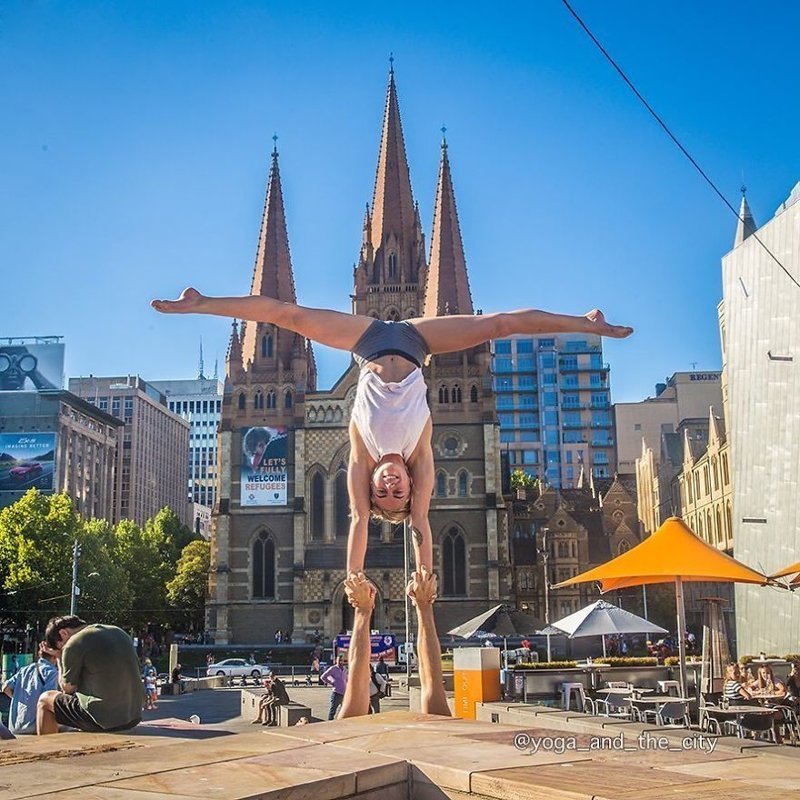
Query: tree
x=143, y=555
x=187, y=590
x=36, y=538
x=169, y=535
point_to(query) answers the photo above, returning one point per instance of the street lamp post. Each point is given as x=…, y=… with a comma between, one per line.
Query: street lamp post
x=544, y=553
x=75, y=590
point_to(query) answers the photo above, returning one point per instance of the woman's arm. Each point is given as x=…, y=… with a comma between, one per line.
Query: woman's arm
x=358, y=475
x=421, y=468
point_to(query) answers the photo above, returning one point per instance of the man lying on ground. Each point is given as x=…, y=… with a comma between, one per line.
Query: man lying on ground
x=101, y=686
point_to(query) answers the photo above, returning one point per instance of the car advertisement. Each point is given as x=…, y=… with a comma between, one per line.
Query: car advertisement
x=27, y=461
x=381, y=644
x=264, y=478
x=30, y=366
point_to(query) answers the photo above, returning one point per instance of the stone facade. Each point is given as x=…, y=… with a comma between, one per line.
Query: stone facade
x=283, y=566
x=684, y=396
x=580, y=529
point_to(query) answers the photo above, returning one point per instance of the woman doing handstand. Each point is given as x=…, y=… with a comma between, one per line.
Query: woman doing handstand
x=390, y=474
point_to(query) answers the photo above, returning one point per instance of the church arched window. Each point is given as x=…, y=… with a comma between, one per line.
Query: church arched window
x=341, y=505
x=463, y=483
x=263, y=567
x=271, y=399
x=287, y=399
x=454, y=564
x=441, y=484
x=473, y=394
x=392, y=265
x=456, y=396
x=266, y=346
x=258, y=400
x=317, y=507
x=444, y=394
x=242, y=401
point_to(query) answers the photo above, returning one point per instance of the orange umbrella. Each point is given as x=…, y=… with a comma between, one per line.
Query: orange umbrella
x=794, y=569
x=673, y=554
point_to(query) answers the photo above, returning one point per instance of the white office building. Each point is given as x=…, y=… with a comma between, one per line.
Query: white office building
x=760, y=330
x=199, y=402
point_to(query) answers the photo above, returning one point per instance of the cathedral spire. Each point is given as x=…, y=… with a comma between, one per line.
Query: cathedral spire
x=272, y=273
x=392, y=199
x=746, y=224
x=447, y=290
x=233, y=358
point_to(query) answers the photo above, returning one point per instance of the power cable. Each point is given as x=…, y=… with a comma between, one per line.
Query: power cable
x=672, y=136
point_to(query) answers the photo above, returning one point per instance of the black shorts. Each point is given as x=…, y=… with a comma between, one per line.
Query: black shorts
x=68, y=711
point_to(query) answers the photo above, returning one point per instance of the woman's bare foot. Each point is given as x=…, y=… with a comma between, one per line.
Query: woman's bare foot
x=187, y=303
x=602, y=328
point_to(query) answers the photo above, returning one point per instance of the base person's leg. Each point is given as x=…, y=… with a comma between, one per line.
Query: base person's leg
x=458, y=332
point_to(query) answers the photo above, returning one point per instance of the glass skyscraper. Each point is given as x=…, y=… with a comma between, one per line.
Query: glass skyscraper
x=554, y=406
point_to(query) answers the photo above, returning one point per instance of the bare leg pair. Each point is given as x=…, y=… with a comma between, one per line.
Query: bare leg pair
x=422, y=589
x=442, y=334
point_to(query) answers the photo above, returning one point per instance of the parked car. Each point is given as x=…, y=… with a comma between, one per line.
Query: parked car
x=237, y=668
x=24, y=471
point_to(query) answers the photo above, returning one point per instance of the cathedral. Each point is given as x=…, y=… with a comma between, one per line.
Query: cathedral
x=280, y=523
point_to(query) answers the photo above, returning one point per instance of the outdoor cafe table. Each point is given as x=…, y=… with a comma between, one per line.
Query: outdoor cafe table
x=766, y=697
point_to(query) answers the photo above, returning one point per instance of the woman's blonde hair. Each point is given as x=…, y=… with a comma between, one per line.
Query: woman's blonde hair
x=384, y=515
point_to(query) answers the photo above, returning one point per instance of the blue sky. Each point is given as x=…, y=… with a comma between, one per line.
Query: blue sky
x=137, y=138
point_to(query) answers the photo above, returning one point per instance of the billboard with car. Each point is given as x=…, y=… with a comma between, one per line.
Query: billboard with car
x=27, y=461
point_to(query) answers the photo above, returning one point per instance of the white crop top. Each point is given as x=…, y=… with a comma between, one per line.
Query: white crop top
x=390, y=416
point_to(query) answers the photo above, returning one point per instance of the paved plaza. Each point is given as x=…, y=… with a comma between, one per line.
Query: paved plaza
x=511, y=751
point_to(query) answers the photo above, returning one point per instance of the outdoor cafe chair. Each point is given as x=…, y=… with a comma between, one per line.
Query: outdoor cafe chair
x=584, y=702
x=670, y=687
x=757, y=724
x=613, y=705
x=671, y=713
x=790, y=722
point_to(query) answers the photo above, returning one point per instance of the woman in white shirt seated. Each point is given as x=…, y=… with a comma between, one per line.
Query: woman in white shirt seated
x=390, y=474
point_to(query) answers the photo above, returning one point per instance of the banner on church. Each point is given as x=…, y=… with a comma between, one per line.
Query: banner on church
x=265, y=456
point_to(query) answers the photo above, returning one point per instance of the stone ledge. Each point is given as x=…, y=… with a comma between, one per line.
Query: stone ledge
x=390, y=756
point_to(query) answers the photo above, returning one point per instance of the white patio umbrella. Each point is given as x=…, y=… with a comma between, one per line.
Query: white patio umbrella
x=604, y=619
x=502, y=621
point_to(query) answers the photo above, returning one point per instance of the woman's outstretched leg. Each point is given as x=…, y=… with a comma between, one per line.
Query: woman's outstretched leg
x=448, y=334
x=331, y=328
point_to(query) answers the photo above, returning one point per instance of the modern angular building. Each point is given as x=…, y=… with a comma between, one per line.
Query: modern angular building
x=760, y=331
x=152, y=458
x=281, y=521
x=553, y=406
